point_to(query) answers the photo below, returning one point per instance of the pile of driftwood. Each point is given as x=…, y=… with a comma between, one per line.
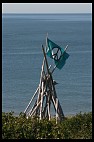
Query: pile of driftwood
x=45, y=96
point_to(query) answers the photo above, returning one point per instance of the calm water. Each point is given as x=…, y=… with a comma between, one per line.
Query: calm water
x=22, y=37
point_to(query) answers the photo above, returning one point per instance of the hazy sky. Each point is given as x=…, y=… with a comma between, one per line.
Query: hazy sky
x=46, y=7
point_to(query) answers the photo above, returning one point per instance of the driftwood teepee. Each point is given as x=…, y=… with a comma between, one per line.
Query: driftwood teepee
x=46, y=96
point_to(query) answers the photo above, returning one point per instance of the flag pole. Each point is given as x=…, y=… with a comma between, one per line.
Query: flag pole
x=45, y=59
x=46, y=41
x=58, y=62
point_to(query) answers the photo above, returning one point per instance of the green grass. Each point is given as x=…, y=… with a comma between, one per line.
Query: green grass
x=18, y=127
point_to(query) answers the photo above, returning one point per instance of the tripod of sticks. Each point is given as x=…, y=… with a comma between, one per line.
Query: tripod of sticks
x=46, y=94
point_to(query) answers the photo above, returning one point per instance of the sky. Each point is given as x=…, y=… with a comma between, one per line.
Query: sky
x=46, y=7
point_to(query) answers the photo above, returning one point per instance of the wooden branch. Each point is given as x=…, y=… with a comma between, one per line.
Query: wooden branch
x=60, y=111
x=44, y=111
x=53, y=101
x=41, y=100
x=56, y=110
x=42, y=70
x=45, y=59
x=49, y=115
x=39, y=94
x=36, y=106
x=32, y=108
x=31, y=99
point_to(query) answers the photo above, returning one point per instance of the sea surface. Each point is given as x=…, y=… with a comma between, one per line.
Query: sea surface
x=22, y=38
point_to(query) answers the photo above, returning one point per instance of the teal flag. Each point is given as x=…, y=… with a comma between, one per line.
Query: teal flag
x=57, y=53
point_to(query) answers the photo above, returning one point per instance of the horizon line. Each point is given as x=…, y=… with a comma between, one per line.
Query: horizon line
x=47, y=13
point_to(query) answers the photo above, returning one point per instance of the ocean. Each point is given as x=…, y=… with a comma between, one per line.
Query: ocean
x=22, y=39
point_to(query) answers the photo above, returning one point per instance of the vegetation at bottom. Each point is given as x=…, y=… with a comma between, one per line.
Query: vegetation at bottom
x=19, y=127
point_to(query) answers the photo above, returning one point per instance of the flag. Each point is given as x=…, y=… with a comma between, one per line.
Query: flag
x=57, y=53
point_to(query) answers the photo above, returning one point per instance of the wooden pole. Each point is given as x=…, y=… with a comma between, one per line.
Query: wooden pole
x=49, y=115
x=56, y=110
x=35, y=108
x=44, y=110
x=46, y=41
x=53, y=101
x=40, y=89
x=60, y=109
x=32, y=108
x=45, y=59
x=42, y=93
x=31, y=99
x=42, y=70
x=37, y=104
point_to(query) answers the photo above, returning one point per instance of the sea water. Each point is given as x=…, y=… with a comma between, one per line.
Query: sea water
x=22, y=38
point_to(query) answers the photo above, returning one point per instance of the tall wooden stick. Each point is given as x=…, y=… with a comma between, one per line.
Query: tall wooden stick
x=49, y=115
x=45, y=59
x=35, y=108
x=60, y=109
x=31, y=99
x=56, y=110
x=40, y=89
x=30, y=111
x=42, y=93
